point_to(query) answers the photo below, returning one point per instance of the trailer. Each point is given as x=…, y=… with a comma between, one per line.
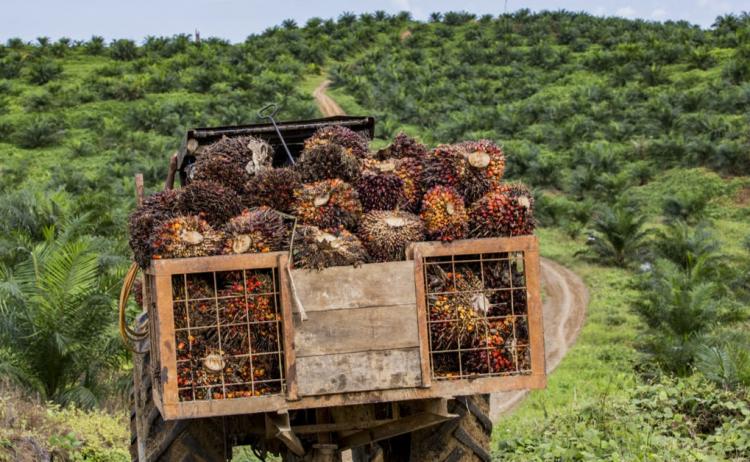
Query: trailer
x=346, y=362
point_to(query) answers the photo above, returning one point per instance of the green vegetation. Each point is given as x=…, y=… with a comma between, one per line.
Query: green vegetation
x=634, y=133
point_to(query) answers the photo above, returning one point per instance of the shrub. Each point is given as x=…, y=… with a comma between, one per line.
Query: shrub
x=44, y=71
x=39, y=132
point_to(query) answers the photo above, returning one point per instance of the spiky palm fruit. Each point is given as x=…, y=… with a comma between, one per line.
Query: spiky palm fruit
x=444, y=166
x=213, y=201
x=444, y=214
x=232, y=161
x=328, y=204
x=409, y=169
x=353, y=142
x=186, y=236
x=315, y=248
x=381, y=190
x=155, y=210
x=260, y=229
x=403, y=146
x=274, y=188
x=504, y=211
x=485, y=166
x=386, y=234
x=324, y=161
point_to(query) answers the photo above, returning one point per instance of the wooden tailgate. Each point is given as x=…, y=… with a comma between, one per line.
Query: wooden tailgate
x=361, y=331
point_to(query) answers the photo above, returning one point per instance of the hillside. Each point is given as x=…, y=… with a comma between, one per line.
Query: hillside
x=635, y=136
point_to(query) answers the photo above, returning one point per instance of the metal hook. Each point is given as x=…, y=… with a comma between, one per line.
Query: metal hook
x=264, y=113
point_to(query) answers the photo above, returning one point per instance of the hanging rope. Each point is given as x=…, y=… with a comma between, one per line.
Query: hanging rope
x=127, y=334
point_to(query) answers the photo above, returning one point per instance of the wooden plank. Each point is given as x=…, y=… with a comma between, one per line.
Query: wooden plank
x=215, y=263
x=348, y=372
x=536, y=325
x=343, y=287
x=288, y=324
x=473, y=246
x=350, y=331
x=166, y=339
x=424, y=336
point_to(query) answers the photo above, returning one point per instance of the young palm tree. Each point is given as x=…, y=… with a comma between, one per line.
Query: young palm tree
x=57, y=321
x=617, y=236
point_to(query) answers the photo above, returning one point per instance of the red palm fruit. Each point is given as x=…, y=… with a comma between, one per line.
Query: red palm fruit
x=328, y=204
x=444, y=214
x=354, y=143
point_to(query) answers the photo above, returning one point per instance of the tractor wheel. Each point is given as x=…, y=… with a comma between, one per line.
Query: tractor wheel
x=464, y=439
x=152, y=439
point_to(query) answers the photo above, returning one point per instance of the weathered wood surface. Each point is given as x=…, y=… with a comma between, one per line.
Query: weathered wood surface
x=363, y=371
x=350, y=331
x=345, y=287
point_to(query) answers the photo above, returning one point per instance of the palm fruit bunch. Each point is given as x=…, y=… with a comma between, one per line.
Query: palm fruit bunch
x=485, y=166
x=386, y=234
x=155, y=209
x=185, y=236
x=274, y=188
x=232, y=161
x=328, y=204
x=444, y=166
x=444, y=214
x=504, y=211
x=457, y=307
x=403, y=146
x=379, y=187
x=496, y=350
x=315, y=248
x=324, y=161
x=409, y=169
x=213, y=201
x=260, y=229
x=354, y=143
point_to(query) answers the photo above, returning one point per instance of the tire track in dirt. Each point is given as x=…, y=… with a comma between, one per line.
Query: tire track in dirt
x=565, y=302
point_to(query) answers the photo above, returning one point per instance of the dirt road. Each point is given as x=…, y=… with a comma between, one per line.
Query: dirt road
x=566, y=297
x=326, y=104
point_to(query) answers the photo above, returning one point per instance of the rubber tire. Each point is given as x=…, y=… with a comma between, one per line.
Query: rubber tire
x=194, y=440
x=464, y=439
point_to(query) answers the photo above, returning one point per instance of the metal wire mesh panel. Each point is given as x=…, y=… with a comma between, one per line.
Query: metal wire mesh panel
x=477, y=315
x=228, y=334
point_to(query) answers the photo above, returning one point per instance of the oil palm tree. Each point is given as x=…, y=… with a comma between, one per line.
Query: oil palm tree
x=57, y=324
x=617, y=236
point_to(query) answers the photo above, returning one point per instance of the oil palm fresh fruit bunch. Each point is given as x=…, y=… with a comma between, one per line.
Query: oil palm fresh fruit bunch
x=274, y=188
x=379, y=187
x=409, y=169
x=324, y=161
x=213, y=201
x=444, y=166
x=328, y=204
x=354, y=143
x=504, y=211
x=485, y=166
x=444, y=214
x=155, y=210
x=185, y=236
x=403, y=146
x=495, y=353
x=314, y=248
x=260, y=229
x=386, y=234
x=232, y=161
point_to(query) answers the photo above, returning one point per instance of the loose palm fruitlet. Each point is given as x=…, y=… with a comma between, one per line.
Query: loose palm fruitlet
x=386, y=234
x=505, y=211
x=324, y=161
x=444, y=214
x=155, y=210
x=403, y=146
x=274, y=188
x=315, y=248
x=213, y=201
x=187, y=236
x=260, y=229
x=328, y=204
x=232, y=161
x=353, y=142
x=485, y=166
